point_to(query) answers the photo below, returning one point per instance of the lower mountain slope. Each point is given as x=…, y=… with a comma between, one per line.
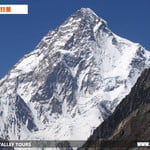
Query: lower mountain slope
x=130, y=121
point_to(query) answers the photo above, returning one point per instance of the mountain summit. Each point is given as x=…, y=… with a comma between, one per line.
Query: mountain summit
x=71, y=82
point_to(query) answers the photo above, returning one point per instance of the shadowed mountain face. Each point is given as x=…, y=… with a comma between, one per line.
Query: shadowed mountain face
x=71, y=82
x=130, y=120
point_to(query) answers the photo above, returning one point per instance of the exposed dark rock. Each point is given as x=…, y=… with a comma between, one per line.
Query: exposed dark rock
x=23, y=114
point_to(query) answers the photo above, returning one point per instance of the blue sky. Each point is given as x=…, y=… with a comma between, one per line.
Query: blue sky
x=19, y=34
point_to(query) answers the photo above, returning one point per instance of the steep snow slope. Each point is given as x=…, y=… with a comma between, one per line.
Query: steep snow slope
x=71, y=82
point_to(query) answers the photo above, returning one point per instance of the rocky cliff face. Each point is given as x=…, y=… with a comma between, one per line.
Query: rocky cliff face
x=130, y=121
x=71, y=82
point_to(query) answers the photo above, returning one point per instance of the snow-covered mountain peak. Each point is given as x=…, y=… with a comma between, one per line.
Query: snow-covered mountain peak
x=86, y=10
x=71, y=82
x=85, y=17
x=89, y=16
x=86, y=13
